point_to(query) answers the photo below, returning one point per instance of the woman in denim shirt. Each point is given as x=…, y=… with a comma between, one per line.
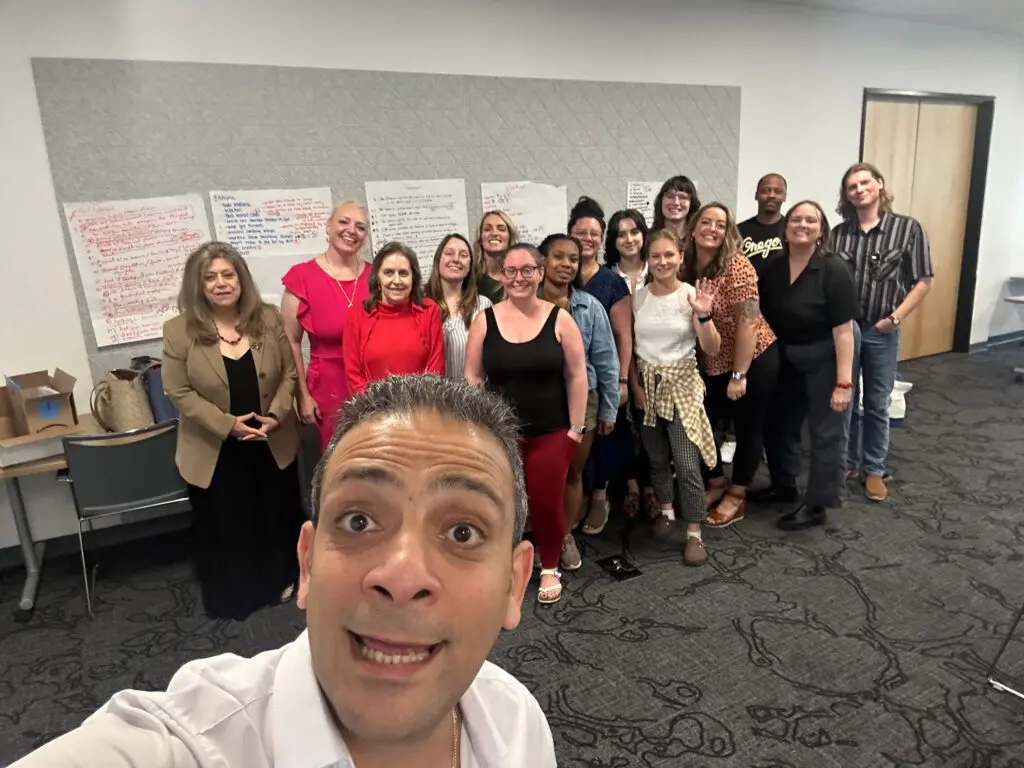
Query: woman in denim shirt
x=606, y=464
x=561, y=286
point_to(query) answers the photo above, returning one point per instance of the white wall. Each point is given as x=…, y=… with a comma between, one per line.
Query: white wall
x=802, y=73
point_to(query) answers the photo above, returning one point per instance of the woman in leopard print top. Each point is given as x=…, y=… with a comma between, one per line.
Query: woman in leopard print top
x=740, y=379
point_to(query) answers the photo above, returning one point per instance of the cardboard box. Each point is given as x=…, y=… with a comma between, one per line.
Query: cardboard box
x=36, y=410
x=41, y=401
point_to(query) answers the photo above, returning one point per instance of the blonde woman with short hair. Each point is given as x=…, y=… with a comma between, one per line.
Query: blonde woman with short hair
x=318, y=296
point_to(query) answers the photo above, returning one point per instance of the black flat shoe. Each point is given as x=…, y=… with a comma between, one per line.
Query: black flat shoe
x=772, y=495
x=802, y=517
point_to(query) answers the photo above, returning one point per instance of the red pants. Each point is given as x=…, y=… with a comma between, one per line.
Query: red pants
x=546, y=460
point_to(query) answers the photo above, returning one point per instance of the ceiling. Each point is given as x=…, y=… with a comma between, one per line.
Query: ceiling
x=1005, y=16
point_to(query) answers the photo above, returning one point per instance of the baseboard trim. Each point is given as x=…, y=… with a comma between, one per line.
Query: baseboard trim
x=102, y=537
x=996, y=341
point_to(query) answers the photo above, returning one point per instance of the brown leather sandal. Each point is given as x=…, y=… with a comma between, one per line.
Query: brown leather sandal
x=719, y=519
x=709, y=495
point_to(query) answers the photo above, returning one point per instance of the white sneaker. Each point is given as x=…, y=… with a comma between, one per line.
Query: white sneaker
x=570, y=558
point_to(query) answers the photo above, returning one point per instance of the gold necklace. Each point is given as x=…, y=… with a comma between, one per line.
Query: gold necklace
x=455, y=738
x=341, y=288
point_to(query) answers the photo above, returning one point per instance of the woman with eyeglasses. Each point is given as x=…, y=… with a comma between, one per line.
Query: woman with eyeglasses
x=561, y=287
x=396, y=330
x=453, y=287
x=531, y=353
x=808, y=298
x=740, y=379
x=675, y=205
x=671, y=318
x=586, y=224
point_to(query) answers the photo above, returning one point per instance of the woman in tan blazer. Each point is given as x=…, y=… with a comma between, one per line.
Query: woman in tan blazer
x=228, y=367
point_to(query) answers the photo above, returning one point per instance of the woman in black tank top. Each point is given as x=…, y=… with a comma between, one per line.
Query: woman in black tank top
x=530, y=375
x=543, y=375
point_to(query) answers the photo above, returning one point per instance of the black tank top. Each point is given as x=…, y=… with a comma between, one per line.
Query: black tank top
x=529, y=375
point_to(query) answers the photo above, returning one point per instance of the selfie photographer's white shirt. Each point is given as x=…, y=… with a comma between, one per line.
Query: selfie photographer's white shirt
x=268, y=712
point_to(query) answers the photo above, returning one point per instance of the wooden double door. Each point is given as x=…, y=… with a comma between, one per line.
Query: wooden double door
x=925, y=150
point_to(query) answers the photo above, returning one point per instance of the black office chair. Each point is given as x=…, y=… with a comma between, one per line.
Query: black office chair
x=123, y=472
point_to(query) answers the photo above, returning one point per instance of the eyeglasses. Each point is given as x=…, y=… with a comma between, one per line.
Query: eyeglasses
x=676, y=197
x=509, y=273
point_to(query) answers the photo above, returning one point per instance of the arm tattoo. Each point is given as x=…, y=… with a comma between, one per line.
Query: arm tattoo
x=750, y=310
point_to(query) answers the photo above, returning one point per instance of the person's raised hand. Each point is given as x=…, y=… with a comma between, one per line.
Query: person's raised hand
x=703, y=297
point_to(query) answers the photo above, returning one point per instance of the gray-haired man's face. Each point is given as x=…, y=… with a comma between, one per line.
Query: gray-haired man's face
x=409, y=574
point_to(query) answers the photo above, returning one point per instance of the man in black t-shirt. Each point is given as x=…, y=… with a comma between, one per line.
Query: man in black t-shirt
x=762, y=234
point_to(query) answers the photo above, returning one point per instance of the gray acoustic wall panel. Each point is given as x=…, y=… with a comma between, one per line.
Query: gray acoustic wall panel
x=130, y=129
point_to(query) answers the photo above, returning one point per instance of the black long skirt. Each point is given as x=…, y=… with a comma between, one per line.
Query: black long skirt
x=246, y=528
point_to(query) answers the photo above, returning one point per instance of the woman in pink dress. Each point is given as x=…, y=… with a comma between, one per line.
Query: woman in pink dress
x=318, y=295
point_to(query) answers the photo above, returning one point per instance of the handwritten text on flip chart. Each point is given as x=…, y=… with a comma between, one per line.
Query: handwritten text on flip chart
x=130, y=255
x=417, y=214
x=272, y=222
x=640, y=196
x=537, y=210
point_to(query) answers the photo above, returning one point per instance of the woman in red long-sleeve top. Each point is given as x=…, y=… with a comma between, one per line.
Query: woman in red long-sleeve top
x=397, y=330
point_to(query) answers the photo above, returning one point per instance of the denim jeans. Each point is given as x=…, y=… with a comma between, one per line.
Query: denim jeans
x=869, y=429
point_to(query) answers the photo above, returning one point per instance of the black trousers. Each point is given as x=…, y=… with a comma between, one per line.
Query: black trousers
x=746, y=414
x=807, y=378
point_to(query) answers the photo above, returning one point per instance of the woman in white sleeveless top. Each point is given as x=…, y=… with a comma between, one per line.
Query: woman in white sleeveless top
x=669, y=319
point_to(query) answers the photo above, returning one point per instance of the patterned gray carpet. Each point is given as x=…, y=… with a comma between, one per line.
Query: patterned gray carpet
x=865, y=644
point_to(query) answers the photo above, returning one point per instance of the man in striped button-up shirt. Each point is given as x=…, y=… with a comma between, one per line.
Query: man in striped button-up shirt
x=892, y=273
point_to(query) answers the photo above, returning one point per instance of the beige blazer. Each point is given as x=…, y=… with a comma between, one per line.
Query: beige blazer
x=196, y=380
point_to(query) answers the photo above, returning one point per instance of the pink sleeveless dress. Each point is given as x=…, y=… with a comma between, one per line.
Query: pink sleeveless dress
x=323, y=304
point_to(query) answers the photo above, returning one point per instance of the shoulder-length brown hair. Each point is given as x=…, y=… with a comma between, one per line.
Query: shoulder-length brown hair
x=727, y=250
x=435, y=290
x=192, y=303
x=848, y=210
x=824, y=243
x=390, y=249
x=478, y=244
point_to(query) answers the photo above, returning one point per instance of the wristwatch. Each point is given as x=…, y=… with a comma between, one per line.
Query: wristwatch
x=895, y=320
x=738, y=376
x=578, y=430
